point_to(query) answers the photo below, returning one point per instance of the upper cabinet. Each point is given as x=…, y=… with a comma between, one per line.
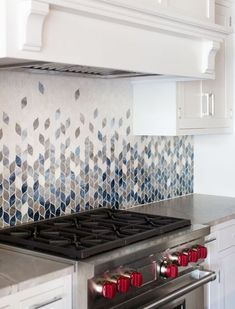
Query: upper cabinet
x=223, y=13
x=202, y=10
x=189, y=107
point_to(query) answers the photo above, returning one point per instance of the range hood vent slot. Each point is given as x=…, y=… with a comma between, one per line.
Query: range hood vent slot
x=74, y=70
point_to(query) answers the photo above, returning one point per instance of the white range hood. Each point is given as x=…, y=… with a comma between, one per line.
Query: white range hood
x=104, y=38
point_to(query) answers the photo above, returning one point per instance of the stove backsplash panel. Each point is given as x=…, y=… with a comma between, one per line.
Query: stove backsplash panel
x=67, y=146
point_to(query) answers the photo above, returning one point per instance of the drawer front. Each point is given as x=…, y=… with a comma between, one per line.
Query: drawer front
x=55, y=294
x=226, y=238
x=57, y=304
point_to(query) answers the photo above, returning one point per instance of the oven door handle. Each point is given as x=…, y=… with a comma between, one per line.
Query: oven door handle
x=199, y=278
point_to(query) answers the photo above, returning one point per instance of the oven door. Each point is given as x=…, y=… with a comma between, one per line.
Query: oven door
x=192, y=300
x=185, y=292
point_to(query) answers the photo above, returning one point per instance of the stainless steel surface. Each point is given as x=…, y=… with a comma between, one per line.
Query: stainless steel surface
x=20, y=271
x=144, y=256
x=139, y=250
x=199, y=208
x=147, y=258
x=192, y=281
x=192, y=300
x=72, y=70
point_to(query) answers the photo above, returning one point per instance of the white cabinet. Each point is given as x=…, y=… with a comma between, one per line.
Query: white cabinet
x=206, y=106
x=221, y=292
x=223, y=13
x=164, y=107
x=199, y=9
x=55, y=294
x=202, y=10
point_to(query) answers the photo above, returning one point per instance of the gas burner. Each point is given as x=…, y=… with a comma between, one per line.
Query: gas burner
x=79, y=236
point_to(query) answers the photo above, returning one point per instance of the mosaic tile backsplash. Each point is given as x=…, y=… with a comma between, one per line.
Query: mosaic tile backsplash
x=67, y=146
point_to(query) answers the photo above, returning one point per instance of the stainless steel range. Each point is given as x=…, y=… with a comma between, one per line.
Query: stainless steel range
x=123, y=259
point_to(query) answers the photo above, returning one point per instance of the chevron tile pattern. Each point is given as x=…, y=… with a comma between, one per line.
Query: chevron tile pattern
x=70, y=149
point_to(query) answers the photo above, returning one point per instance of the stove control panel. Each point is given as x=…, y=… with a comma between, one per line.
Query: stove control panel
x=105, y=288
x=111, y=283
x=166, y=265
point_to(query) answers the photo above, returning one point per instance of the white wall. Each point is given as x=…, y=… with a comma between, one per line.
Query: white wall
x=214, y=169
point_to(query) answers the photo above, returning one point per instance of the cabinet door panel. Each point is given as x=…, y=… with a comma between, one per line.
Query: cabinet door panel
x=219, y=89
x=223, y=15
x=192, y=105
x=207, y=104
x=200, y=9
x=228, y=280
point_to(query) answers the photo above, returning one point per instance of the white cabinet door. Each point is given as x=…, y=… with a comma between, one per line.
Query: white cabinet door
x=199, y=9
x=202, y=10
x=7, y=303
x=207, y=104
x=219, y=90
x=220, y=294
x=227, y=274
x=223, y=13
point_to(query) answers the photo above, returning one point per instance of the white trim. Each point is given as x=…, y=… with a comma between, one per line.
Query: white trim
x=159, y=20
x=211, y=50
x=32, y=18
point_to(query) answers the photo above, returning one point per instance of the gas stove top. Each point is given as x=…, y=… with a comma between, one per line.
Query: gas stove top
x=79, y=236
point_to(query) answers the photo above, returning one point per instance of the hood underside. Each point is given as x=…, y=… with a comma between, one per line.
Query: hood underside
x=72, y=70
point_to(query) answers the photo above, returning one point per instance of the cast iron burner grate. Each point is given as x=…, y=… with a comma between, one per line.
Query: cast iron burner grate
x=79, y=236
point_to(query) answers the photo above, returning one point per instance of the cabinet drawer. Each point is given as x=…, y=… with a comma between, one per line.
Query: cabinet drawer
x=55, y=294
x=57, y=304
x=226, y=238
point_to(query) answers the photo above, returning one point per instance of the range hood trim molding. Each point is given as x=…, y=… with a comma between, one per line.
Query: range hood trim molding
x=32, y=15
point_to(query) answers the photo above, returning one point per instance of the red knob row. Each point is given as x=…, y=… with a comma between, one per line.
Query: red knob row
x=123, y=282
x=122, y=285
x=192, y=255
x=196, y=253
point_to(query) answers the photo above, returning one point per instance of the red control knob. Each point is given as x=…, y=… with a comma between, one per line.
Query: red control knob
x=183, y=259
x=193, y=255
x=123, y=284
x=109, y=289
x=202, y=252
x=136, y=279
x=171, y=271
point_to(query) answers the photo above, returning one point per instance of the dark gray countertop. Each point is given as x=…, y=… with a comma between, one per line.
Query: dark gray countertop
x=199, y=208
x=20, y=271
